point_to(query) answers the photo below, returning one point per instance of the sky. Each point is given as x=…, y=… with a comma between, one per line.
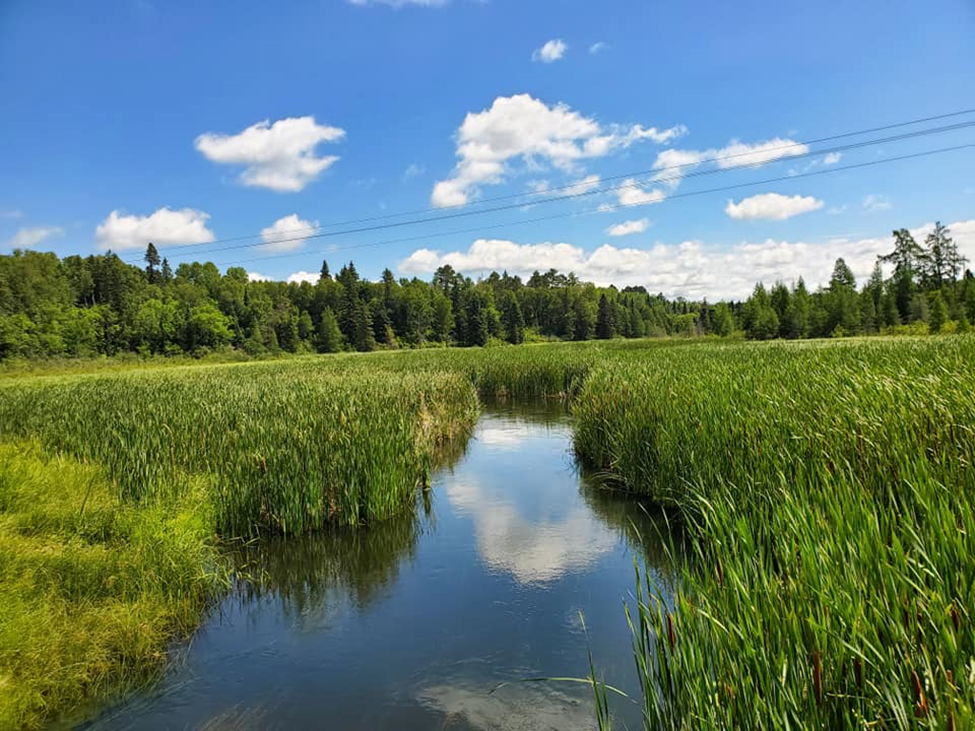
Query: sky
x=686, y=142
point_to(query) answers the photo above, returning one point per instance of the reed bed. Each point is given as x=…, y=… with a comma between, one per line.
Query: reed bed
x=828, y=494
x=284, y=447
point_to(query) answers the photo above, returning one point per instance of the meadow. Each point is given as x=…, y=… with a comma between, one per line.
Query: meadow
x=824, y=491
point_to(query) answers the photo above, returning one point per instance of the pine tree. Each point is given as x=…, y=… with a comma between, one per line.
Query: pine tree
x=167, y=272
x=937, y=311
x=908, y=260
x=329, y=337
x=512, y=319
x=324, y=275
x=605, y=319
x=942, y=261
x=152, y=263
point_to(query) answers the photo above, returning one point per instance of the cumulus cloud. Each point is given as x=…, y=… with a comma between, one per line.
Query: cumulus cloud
x=29, y=237
x=626, y=228
x=582, y=186
x=280, y=156
x=553, y=50
x=165, y=227
x=597, y=47
x=288, y=233
x=690, y=269
x=832, y=158
x=630, y=194
x=298, y=277
x=873, y=203
x=773, y=206
x=522, y=127
x=674, y=164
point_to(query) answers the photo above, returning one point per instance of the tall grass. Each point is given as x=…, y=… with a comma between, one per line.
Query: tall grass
x=283, y=446
x=828, y=492
x=91, y=591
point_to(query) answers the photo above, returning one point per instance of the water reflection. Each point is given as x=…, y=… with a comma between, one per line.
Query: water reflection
x=411, y=623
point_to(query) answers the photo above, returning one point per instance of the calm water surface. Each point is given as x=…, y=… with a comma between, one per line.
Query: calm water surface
x=411, y=624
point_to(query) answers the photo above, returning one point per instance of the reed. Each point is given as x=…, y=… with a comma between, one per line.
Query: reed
x=828, y=495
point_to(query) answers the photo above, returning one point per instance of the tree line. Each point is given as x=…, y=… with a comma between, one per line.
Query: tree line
x=99, y=305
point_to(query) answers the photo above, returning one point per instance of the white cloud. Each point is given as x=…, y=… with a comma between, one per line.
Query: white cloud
x=773, y=206
x=597, y=47
x=11, y=214
x=873, y=203
x=553, y=50
x=165, y=227
x=674, y=164
x=310, y=277
x=582, y=186
x=401, y=3
x=279, y=156
x=299, y=277
x=28, y=237
x=288, y=233
x=690, y=269
x=630, y=195
x=413, y=171
x=523, y=127
x=832, y=158
x=625, y=228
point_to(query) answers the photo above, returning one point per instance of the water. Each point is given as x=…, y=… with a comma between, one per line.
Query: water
x=411, y=624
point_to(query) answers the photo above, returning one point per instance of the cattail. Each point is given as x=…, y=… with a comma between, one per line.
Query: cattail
x=955, y=619
x=263, y=466
x=920, y=702
x=670, y=632
x=817, y=677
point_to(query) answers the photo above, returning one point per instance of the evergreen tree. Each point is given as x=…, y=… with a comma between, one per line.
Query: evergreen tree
x=723, y=321
x=908, y=260
x=512, y=319
x=167, y=272
x=324, y=275
x=942, y=261
x=937, y=311
x=329, y=337
x=152, y=263
x=605, y=319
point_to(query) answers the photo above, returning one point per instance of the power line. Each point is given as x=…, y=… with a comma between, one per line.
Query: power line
x=198, y=248
x=686, y=194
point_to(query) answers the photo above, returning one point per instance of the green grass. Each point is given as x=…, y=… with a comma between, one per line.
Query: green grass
x=91, y=590
x=824, y=491
x=828, y=492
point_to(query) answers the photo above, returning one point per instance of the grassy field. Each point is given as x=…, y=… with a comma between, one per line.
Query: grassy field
x=825, y=490
x=830, y=493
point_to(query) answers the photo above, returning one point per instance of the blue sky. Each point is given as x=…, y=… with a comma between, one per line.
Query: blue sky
x=191, y=122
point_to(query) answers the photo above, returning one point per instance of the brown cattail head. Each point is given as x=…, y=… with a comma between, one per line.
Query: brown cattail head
x=858, y=672
x=670, y=632
x=263, y=466
x=817, y=677
x=920, y=702
x=955, y=619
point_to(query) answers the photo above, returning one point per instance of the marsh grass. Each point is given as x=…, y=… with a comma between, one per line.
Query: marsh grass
x=829, y=495
x=91, y=590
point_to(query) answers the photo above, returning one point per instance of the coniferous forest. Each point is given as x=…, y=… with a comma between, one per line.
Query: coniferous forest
x=100, y=305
